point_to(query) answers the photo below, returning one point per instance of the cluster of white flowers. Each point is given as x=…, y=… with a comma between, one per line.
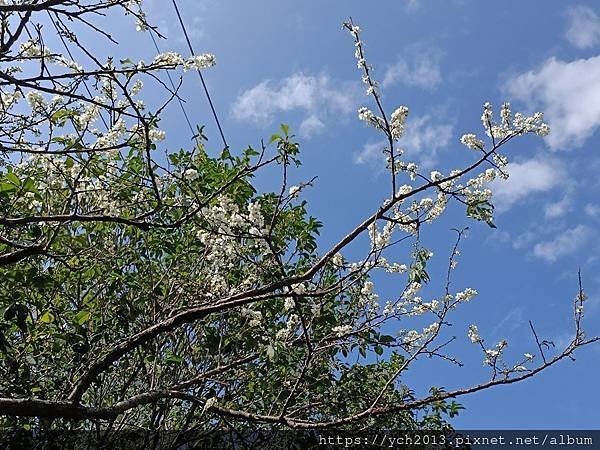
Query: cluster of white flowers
x=475, y=191
x=89, y=114
x=168, y=59
x=380, y=240
x=487, y=117
x=508, y=125
x=419, y=307
x=137, y=87
x=9, y=99
x=292, y=324
x=156, y=135
x=466, y=295
x=338, y=260
x=33, y=49
x=223, y=248
x=342, y=330
x=69, y=64
x=473, y=334
x=437, y=208
x=255, y=317
x=203, y=61
x=112, y=137
x=412, y=169
x=413, y=339
x=505, y=114
x=470, y=141
x=288, y=304
x=36, y=101
x=141, y=24
x=492, y=355
x=411, y=290
x=397, y=122
x=405, y=189
x=294, y=191
x=369, y=117
x=190, y=174
x=531, y=124
x=174, y=59
x=483, y=178
x=54, y=173
x=109, y=91
x=368, y=299
x=395, y=268
x=388, y=309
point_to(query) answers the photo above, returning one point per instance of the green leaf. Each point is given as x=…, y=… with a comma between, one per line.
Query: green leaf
x=47, y=317
x=274, y=138
x=7, y=187
x=82, y=317
x=225, y=154
x=173, y=358
x=285, y=128
x=482, y=211
x=11, y=177
x=60, y=117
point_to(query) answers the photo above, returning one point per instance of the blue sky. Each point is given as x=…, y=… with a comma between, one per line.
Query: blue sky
x=291, y=62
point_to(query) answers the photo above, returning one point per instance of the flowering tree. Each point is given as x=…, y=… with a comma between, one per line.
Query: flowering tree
x=162, y=290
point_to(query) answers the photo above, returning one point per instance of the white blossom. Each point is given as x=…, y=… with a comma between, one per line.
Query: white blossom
x=156, y=135
x=203, y=61
x=338, y=259
x=473, y=334
x=294, y=190
x=342, y=330
x=471, y=141
x=398, y=119
x=191, y=174
x=288, y=304
x=466, y=295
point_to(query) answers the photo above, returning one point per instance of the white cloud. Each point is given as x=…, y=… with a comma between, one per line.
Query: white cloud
x=419, y=70
x=567, y=242
x=318, y=97
x=311, y=125
x=559, y=208
x=583, y=29
x=412, y=5
x=569, y=95
x=525, y=178
x=371, y=153
x=423, y=139
x=592, y=210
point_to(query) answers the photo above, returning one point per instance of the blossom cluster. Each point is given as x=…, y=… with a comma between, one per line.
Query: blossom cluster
x=174, y=59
